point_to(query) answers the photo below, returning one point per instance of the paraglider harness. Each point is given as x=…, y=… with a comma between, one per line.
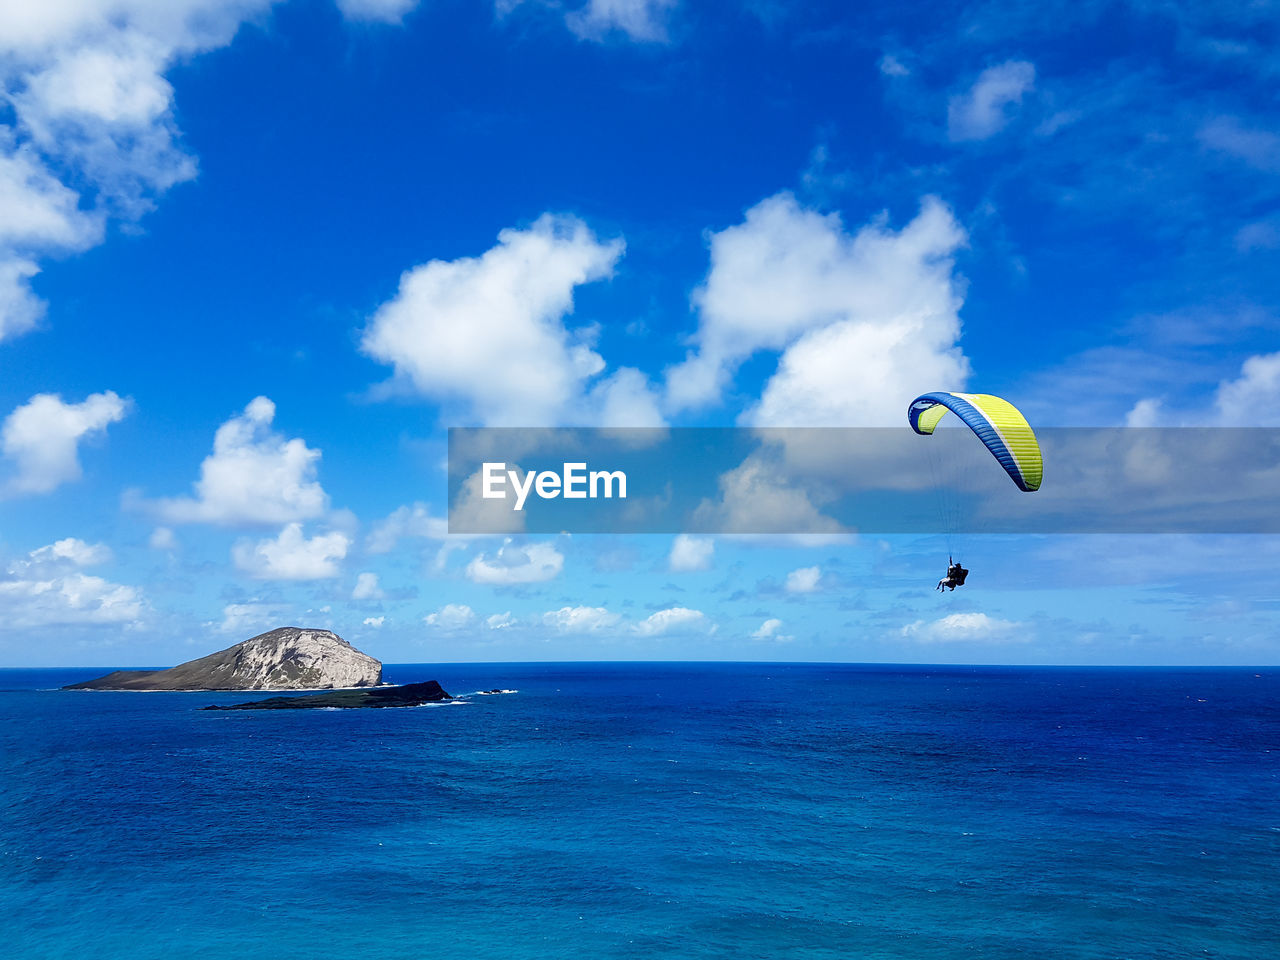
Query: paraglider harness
x=955, y=575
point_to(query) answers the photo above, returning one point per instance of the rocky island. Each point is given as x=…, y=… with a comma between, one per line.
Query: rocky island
x=408, y=695
x=287, y=658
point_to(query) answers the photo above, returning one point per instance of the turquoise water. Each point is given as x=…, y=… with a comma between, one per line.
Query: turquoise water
x=642, y=810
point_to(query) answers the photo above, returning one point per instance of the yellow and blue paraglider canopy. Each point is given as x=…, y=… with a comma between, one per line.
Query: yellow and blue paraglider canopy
x=997, y=423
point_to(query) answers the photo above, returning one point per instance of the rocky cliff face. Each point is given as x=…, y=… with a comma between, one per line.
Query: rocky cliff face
x=287, y=658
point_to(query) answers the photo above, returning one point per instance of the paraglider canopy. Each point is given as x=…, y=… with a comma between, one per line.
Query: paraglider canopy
x=996, y=422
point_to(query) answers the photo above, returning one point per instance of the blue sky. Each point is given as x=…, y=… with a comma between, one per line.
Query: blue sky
x=387, y=217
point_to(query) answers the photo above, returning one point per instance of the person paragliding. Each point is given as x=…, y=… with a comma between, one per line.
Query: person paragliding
x=955, y=576
x=1002, y=429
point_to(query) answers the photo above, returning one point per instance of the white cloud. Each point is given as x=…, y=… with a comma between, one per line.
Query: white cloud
x=1144, y=413
x=374, y=622
x=45, y=29
x=862, y=320
x=757, y=497
x=512, y=563
x=499, y=621
x=597, y=620
x=470, y=510
x=769, y=631
x=960, y=627
x=48, y=589
x=984, y=109
x=414, y=521
x=891, y=66
x=162, y=538
x=1253, y=398
x=673, y=620
x=253, y=617
x=39, y=212
x=643, y=20
x=90, y=107
x=291, y=556
x=1259, y=235
x=253, y=476
x=803, y=580
x=367, y=588
x=116, y=84
x=820, y=179
x=581, y=619
x=72, y=551
x=1258, y=148
x=19, y=307
x=73, y=598
x=489, y=331
x=90, y=131
x=452, y=616
x=42, y=437
x=382, y=11
x=623, y=399
x=691, y=553
x=106, y=110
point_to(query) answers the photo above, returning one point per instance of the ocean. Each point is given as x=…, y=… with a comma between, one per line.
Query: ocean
x=652, y=810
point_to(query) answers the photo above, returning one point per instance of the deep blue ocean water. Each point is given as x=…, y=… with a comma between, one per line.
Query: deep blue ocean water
x=652, y=810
